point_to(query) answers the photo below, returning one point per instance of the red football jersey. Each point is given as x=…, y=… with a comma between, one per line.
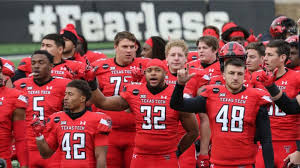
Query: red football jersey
x=68, y=69
x=10, y=99
x=8, y=68
x=76, y=139
x=25, y=65
x=233, y=123
x=44, y=100
x=211, y=70
x=78, y=57
x=156, y=122
x=286, y=127
x=200, y=79
x=93, y=56
x=112, y=78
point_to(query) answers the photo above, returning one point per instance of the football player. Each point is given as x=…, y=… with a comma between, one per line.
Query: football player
x=12, y=124
x=112, y=75
x=45, y=96
x=238, y=117
x=156, y=123
x=285, y=128
x=80, y=136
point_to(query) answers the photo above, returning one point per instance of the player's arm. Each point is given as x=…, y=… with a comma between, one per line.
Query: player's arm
x=204, y=134
x=18, y=75
x=19, y=134
x=192, y=105
x=190, y=125
x=288, y=105
x=264, y=135
x=38, y=128
x=113, y=103
x=100, y=154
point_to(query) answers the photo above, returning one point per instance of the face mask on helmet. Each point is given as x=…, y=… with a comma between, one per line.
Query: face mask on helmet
x=231, y=50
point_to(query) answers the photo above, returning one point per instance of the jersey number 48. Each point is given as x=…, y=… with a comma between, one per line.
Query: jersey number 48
x=236, y=120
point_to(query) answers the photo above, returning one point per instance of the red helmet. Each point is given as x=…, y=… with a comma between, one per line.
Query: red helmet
x=281, y=25
x=293, y=39
x=231, y=49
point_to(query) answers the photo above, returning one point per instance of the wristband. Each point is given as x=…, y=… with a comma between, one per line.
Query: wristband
x=93, y=84
x=273, y=90
x=39, y=138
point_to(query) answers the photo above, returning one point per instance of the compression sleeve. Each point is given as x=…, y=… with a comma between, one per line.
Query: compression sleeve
x=196, y=104
x=289, y=106
x=264, y=135
x=18, y=75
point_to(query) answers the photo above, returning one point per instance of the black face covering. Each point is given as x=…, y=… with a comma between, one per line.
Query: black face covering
x=204, y=65
x=156, y=90
x=74, y=115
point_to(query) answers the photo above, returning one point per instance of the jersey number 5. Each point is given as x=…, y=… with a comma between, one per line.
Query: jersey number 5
x=154, y=117
x=66, y=145
x=237, y=116
x=37, y=108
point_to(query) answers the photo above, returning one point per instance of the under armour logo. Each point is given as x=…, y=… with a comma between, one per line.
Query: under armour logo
x=284, y=82
x=134, y=156
x=49, y=87
x=132, y=67
x=2, y=98
x=211, y=70
x=163, y=97
x=244, y=97
x=82, y=122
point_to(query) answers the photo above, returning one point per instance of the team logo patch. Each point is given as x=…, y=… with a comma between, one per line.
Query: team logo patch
x=194, y=57
x=216, y=90
x=135, y=92
x=23, y=85
x=218, y=83
x=56, y=119
x=105, y=66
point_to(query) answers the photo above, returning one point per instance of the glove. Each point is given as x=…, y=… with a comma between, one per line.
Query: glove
x=137, y=74
x=252, y=37
x=37, y=127
x=203, y=161
x=267, y=78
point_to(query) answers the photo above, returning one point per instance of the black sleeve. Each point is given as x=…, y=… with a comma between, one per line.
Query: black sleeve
x=192, y=105
x=289, y=106
x=263, y=131
x=298, y=145
x=18, y=75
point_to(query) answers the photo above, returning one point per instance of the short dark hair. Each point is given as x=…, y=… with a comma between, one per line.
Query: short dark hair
x=258, y=46
x=210, y=41
x=46, y=53
x=212, y=27
x=58, y=39
x=235, y=62
x=124, y=35
x=158, y=49
x=83, y=86
x=282, y=47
